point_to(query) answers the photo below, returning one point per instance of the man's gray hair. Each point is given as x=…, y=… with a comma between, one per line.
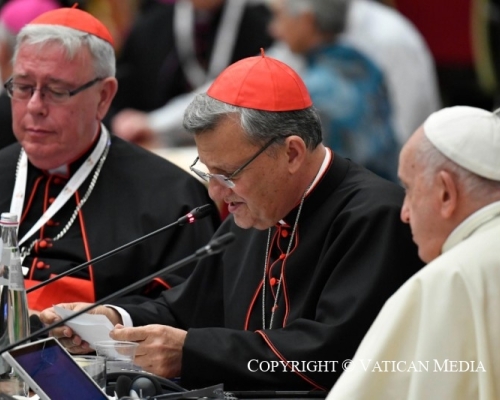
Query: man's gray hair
x=72, y=41
x=433, y=161
x=330, y=15
x=205, y=113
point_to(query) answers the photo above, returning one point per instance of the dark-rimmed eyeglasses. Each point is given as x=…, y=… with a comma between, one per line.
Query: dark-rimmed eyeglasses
x=23, y=92
x=227, y=180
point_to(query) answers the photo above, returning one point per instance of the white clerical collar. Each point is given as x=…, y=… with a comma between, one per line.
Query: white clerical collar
x=61, y=170
x=471, y=224
x=319, y=175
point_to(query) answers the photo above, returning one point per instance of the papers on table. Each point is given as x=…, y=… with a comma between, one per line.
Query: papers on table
x=91, y=328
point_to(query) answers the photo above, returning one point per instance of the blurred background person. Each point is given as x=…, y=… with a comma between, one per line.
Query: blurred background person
x=394, y=44
x=397, y=47
x=177, y=46
x=377, y=31
x=347, y=88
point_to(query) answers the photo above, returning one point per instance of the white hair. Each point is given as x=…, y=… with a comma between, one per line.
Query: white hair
x=72, y=41
x=330, y=15
x=433, y=161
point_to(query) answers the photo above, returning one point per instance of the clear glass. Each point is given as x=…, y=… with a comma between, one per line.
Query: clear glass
x=95, y=366
x=119, y=355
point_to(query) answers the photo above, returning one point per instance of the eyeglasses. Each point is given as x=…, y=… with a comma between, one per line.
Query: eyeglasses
x=21, y=91
x=227, y=180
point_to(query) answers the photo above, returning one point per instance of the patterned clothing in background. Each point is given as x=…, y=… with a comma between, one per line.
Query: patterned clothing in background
x=350, y=94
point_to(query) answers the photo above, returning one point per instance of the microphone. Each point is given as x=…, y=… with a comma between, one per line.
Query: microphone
x=216, y=245
x=191, y=217
x=122, y=386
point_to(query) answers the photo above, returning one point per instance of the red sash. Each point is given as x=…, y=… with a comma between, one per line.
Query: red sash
x=65, y=290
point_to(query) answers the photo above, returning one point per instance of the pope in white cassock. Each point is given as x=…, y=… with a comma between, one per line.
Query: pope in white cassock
x=438, y=336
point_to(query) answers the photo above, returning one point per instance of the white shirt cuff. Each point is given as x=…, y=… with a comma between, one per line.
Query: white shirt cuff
x=126, y=318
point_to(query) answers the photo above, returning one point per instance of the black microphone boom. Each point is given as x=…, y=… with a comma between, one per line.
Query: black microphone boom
x=216, y=245
x=190, y=217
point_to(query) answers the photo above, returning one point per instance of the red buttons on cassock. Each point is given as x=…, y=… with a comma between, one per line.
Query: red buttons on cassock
x=57, y=181
x=273, y=281
x=52, y=199
x=284, y=233
x=282, y=256
x=40, y=265
x=42, y=243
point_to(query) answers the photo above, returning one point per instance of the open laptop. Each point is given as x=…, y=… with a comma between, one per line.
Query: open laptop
x=50, y=371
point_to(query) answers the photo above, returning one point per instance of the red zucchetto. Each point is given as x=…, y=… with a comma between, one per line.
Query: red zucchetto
x=261, y=83
x=76, y=19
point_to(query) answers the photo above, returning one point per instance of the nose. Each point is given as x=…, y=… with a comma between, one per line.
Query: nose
x=217, y=190
x=36, y=103
x=405, y=212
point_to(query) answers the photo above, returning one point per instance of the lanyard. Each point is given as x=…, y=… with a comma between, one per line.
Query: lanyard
x=224, y=43
x=68, y=191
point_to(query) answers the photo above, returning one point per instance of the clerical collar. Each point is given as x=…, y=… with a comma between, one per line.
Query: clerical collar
x=319, y=175
x=65, y=169
x=471, y=224
x=61, y=170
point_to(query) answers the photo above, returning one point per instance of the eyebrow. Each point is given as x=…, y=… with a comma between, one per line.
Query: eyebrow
x=223, y=170
x=49, y=80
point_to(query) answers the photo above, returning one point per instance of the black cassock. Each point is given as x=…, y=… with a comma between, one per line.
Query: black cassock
x=136, y=193
x=350, y=254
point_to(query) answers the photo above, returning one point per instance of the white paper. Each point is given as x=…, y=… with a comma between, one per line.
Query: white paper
x=91, y=328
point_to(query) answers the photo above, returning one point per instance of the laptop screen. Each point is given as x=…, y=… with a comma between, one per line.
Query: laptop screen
x=55, y=371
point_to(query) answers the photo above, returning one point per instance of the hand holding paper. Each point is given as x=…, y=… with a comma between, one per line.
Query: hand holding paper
x=90, y=327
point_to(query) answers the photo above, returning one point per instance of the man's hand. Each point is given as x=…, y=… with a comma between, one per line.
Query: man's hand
x=132, y=125
x=65, y=334
x=160, y=347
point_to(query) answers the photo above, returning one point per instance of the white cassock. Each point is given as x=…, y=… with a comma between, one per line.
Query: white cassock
x=438, y=336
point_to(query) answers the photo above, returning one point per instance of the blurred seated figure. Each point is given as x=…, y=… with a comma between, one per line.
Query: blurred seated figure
x=393, y=43
x=347, y=88
x=381, y=33
x=176, y=47
x=13, y=16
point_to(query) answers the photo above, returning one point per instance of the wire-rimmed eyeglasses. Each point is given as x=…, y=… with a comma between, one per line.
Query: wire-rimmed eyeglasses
x=21, y=91
x=227, y=180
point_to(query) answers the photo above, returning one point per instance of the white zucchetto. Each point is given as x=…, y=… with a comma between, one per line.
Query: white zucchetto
x=468, y=136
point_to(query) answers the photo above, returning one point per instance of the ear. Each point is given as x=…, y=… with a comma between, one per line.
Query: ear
x=448, y=194
x=109, y=87
x=295, y=152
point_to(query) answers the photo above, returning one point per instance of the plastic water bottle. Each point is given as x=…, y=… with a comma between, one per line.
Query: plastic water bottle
x=14, y=316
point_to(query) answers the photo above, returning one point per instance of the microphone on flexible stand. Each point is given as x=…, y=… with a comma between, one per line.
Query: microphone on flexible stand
x=216, y=245
x=191, y=217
